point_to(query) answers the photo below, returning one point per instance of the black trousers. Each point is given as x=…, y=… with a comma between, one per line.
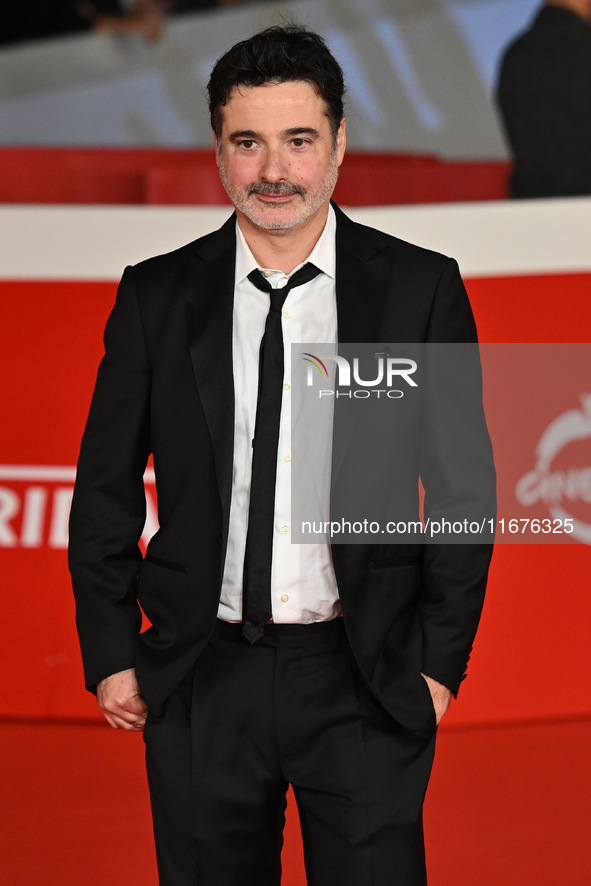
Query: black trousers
x=248, y=721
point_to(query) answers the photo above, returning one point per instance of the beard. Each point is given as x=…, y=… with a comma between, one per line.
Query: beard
x=308, y=200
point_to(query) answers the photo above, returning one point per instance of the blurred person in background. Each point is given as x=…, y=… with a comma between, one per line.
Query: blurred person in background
x=39, y=19
x=143, y=17
x=544, y=94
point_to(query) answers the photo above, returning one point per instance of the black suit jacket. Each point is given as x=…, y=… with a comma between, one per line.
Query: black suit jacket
x=165, y=386
x=544, y=94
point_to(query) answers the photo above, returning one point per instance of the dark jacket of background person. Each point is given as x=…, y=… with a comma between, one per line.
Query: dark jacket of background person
x=38, y=19
x=544, y=93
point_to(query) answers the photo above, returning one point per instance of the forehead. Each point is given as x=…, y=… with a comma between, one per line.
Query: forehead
x=274, y=106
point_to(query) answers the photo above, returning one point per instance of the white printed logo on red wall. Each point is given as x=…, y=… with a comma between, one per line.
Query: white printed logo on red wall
x=561, y=479
x=35, y=506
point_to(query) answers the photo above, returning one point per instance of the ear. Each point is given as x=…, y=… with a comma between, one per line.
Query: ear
x=217, y=150
x=341, y=140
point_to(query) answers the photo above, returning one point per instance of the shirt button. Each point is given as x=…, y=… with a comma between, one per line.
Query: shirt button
x=286, y=386
x=285, y=529
x=286, y=315
x=287, y=458
x=284, y=598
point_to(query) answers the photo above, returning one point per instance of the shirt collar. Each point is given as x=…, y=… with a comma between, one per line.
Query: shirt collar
x=323, y=255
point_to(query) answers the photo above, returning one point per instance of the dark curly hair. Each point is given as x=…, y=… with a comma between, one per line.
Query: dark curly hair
x=276, y=55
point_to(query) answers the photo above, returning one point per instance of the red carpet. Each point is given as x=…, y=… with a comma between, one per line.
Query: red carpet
x=508, y=806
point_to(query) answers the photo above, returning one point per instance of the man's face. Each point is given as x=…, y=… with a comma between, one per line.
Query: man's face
x=276, y=155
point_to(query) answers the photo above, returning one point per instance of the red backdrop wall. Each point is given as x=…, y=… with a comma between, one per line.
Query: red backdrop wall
x=532, y=653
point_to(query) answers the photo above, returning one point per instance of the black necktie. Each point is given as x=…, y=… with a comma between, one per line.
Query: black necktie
x=256, y=602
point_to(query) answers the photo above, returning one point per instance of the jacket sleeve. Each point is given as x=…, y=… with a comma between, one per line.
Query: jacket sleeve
x=458, y=476
x=109, y=508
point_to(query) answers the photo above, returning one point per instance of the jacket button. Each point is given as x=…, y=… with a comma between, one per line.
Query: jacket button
x=219, y=538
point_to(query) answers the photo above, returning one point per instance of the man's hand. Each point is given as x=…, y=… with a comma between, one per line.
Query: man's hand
x=120, y=701
x=441, y=696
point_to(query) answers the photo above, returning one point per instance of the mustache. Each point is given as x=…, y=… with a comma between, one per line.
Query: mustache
x=276, y=189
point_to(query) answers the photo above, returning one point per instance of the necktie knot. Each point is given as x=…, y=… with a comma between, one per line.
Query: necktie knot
x=277, y=297
x=303, y=275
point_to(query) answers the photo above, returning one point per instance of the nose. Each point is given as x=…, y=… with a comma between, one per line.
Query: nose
x=274, y=165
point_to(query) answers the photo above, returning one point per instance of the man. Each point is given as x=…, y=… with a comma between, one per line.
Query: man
x=326, y=670
x=36, y=19
x=544, y=94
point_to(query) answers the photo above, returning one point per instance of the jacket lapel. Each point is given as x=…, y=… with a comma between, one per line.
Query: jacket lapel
x=362, y=282
x=209, y=303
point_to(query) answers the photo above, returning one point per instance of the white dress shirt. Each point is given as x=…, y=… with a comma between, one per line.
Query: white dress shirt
x=303, y=584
